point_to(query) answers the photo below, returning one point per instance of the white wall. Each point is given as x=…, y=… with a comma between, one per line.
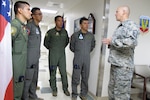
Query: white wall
x=44, y=29
x=142, y=56
x=84, y=9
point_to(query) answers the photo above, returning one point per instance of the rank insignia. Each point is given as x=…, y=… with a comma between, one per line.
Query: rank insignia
x=144, y=24
x=57, y=33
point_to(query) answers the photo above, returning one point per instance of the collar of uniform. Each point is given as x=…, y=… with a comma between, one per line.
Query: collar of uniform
x=20, y=21
x=83, y=33
x=124, y=22
x=57, y=30
x=34, y=23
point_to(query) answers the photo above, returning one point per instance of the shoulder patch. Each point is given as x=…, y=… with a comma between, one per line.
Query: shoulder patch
x=13, y=30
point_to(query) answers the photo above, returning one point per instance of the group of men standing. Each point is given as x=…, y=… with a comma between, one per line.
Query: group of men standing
x=26, y=41
x=82, y=43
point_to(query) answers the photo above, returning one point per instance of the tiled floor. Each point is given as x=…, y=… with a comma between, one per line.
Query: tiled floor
x=43, y=82
x=45, y=91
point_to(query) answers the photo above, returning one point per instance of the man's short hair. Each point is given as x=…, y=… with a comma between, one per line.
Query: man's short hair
x=19, y=4
x=58, y=17
x=34, y=10
x=83, y=19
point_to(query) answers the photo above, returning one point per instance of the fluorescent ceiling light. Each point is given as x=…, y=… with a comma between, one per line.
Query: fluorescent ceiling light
x=49, y=11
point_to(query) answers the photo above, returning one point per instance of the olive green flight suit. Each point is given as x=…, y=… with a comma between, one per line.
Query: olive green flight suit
x=19, y=55
x=56, y=41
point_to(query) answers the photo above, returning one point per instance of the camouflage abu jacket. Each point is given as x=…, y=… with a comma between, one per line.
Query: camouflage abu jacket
x=123, y=44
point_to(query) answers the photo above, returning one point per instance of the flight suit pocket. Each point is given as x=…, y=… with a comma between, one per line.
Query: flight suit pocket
x=29, y=73
x=32, y=41
x=18, y=88
x=76, y=66
x=18, y=46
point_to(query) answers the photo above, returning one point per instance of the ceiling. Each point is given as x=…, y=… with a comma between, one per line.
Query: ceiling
x=59, y=5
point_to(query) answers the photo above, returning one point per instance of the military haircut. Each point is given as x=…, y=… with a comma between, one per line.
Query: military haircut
x=83, y=19
x=34, y=10
x=58, y=17
x=19, y=4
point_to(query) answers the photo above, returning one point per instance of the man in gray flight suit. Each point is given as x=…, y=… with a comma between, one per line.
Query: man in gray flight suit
x=19, y=46
x=121, y=57
x=55, y=41
x=82, y=43
x=33, y=55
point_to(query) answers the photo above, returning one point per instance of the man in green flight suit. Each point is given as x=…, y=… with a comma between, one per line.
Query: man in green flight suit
x=19, y=45
x=56, y=40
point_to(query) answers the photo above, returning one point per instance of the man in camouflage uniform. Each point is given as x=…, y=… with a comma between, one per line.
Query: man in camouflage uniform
x=19, y=45
x=122, y=45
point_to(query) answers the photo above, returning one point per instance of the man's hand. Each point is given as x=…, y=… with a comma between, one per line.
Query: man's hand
x=107, y=41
